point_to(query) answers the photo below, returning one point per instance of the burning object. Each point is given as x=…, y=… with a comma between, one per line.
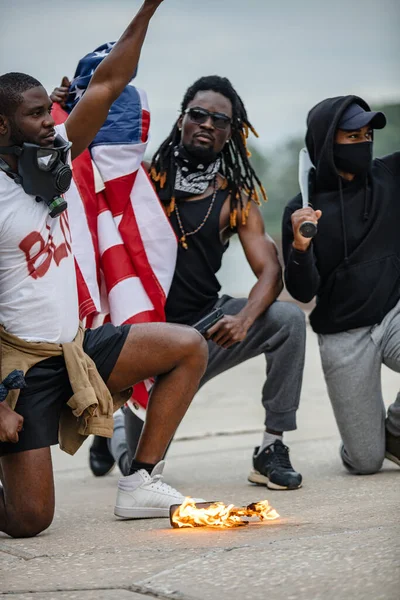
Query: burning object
x=218, y=514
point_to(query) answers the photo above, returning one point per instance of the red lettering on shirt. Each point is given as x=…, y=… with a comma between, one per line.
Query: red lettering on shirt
x=39, y=255
x=28, y=247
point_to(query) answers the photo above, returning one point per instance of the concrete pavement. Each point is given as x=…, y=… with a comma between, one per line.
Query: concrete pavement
x=338, y=536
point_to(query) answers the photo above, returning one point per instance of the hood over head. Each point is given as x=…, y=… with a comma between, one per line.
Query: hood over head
x=322, y=123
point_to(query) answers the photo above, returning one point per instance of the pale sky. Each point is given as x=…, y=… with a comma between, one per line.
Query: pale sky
x=282, y=56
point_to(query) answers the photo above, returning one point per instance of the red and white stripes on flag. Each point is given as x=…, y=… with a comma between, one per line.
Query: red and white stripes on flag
x=124, y=246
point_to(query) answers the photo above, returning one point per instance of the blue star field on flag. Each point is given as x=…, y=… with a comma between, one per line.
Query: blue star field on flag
x=124, y=121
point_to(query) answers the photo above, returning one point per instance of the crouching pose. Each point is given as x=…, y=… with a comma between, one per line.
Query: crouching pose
x=209, y=188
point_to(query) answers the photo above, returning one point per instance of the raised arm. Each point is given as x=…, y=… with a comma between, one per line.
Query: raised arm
x=261, y=254
x=108, y=81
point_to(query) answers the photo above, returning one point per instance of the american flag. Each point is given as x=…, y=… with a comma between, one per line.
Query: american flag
x=124, y=246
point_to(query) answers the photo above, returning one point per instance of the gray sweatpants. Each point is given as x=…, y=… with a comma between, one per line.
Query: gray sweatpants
x=279, y=334
x=352, y=362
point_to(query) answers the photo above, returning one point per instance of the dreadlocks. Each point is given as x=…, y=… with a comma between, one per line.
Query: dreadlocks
x=235, y=166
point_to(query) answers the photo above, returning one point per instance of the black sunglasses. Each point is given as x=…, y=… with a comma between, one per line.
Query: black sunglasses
x=201, y=115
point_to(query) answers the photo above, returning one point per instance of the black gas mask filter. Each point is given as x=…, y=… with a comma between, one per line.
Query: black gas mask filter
x=42, y=172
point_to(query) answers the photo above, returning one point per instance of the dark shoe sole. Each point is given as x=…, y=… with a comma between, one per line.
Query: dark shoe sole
x=259, y=479
x=392, y=457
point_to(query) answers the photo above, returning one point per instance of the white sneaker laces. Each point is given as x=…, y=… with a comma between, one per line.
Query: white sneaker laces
x=159, y=484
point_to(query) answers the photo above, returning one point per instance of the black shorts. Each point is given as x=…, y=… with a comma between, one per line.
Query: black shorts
x=48, y=388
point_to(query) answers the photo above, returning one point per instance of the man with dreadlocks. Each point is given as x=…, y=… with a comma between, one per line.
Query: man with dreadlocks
x=209, y=189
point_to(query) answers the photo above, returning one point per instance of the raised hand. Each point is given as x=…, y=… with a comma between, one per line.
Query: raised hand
x=108, y=81
x=60, y=94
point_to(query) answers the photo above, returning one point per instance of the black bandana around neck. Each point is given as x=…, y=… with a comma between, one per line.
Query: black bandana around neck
x=193, y=176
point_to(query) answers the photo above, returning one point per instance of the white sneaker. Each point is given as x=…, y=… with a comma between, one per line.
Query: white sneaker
x=144, y=496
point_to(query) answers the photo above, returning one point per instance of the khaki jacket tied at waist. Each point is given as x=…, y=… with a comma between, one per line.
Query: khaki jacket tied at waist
x=89, y=410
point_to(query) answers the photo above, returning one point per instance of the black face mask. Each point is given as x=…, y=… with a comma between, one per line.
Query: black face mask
x=42, y=172
x=353, y=158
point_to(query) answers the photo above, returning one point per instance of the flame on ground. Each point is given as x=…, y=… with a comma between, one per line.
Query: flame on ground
x=220, y=515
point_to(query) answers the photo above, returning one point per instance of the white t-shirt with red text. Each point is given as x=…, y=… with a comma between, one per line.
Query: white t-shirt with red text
x=38, y=288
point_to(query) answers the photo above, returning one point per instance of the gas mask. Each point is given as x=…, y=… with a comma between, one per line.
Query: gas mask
x=42, y=172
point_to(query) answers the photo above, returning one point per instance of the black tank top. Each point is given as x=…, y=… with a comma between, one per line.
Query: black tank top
x=194, y=289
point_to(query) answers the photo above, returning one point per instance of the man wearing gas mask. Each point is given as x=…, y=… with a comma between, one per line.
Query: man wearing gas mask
x=352, y=266
x=40, y=333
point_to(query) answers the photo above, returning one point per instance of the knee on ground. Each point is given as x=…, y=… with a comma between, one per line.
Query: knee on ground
x=367, y=465
x=29, y=521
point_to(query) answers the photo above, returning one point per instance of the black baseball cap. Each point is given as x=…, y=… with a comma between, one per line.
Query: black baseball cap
x=355, y=117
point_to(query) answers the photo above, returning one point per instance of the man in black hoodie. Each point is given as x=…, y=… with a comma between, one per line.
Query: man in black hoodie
x=352, y=266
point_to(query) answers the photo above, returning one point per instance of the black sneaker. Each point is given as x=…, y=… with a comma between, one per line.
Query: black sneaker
x=101, y=461
x=272, y=467
x=392, y=447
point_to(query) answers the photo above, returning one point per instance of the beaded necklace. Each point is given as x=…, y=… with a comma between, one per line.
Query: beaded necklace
x=186, y=234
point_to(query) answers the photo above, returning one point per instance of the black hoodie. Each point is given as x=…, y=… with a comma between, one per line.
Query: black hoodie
x=353, y=263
